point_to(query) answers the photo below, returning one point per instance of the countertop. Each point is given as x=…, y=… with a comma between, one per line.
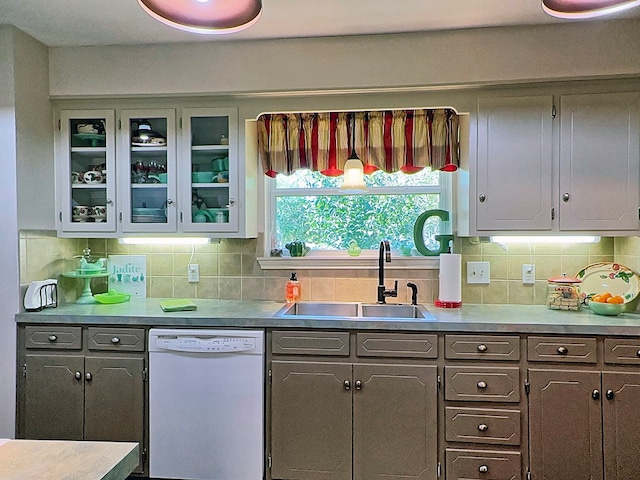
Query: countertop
x=260, y=314
x=66, y=460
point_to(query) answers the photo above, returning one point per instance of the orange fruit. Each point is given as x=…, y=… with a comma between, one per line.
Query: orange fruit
x=605, y=296
x=597, y=298
x=615, y=299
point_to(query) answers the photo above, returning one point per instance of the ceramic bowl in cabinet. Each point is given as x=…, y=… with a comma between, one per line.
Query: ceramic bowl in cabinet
x=201, y=177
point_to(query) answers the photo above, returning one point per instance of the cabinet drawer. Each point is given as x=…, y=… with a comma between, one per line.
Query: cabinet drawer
x=482, y=464
x=412, y=345
x=310, y=343
x=561, y=349
x=618, y=350
x=476, y=425
x=62, y=338
x=482, y=384
x=119, y=339
x=482, y=347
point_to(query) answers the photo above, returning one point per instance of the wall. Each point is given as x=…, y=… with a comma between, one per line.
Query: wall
x=465, y=57
x=229, y=270
x=8, y=235
x=22, y=68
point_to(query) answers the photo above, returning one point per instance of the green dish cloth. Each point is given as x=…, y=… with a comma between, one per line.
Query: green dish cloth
x=177, y=305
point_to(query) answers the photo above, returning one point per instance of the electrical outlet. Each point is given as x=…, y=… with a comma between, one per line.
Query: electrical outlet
x=528, y=274
x=478, y=272
x=193, y=272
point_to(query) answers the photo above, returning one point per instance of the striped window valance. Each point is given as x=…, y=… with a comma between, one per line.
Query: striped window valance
x=389, y=140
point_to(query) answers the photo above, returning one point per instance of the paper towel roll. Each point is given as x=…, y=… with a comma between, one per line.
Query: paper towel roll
x=450, y=277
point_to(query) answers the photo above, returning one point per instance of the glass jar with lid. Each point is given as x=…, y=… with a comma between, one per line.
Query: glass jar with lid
x=563, y=293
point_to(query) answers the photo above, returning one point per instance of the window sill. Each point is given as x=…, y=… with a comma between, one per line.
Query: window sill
x=347, y=263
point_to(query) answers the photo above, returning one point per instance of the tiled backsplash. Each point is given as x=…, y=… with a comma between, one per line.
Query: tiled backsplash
x=229, y=269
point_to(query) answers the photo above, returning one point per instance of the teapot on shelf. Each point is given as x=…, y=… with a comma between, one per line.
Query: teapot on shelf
x=297, y=248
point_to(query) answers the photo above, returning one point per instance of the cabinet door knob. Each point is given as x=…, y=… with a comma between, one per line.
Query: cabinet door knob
x=482, y=384
x=115, y=340
x=562, y=350
x=565, y=197
x=482, y=197
x=169, y=201
x=483, y=427
x=78, y=376
x=482, y=347
x=595, y=395
x=88, y=377
x=609, y=394
x=483, y=469
x=347, y=385
x=638, y=353
x=231, y=203
x=358, y=385
x=53, y=338
x=109, y=201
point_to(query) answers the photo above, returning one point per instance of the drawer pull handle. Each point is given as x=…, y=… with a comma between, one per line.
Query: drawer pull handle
x=78, y=376
x=483, y=427
x=115, y=340
x=562, y=350
x=483, y=469
x=482, y=347
x=638, y=353
x=482, y=385
x=53, y=338
x=358, y=385
x=347, y=385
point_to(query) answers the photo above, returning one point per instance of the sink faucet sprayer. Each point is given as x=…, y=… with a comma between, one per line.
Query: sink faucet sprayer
x=384, y=255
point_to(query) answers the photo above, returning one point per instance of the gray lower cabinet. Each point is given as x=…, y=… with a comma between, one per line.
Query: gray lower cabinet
x=70, y=392
x=584, y=424
x=339, y=419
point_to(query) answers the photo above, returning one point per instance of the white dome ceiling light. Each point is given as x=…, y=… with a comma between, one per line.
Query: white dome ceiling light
x=205, y=16
x=586, y=8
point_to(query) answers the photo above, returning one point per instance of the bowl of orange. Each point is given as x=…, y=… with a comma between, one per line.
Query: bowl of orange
x=607, y=304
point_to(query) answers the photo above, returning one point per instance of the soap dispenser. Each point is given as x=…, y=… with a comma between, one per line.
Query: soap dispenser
x=292, y=290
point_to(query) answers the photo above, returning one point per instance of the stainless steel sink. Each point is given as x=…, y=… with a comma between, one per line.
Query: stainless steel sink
x=319, y=309
x=355, y=311
x=394, y=311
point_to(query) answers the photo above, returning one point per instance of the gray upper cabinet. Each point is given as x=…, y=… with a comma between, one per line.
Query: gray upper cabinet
x=566, y=165
x=599, y=161
x=514, y=170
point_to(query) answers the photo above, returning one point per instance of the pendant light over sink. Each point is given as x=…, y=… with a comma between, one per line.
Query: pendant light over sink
x=353, y=178
x=586, y=8
x=205, y=16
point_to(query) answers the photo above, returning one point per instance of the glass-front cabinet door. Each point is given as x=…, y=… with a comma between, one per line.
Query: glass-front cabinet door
x=209, y=170
x=85, y=171
x=147, y=163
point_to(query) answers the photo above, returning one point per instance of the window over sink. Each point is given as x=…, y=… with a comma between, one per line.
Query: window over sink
x=404, y=154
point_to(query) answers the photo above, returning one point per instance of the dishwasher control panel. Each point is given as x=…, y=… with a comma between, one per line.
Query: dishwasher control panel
x=205, y=344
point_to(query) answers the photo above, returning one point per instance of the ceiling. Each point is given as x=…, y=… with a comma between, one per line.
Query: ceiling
x=123, y=22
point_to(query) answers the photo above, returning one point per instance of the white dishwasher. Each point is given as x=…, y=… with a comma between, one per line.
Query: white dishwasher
x=206, y=404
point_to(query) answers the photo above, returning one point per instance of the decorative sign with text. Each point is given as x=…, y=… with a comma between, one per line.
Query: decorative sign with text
x=128, y=274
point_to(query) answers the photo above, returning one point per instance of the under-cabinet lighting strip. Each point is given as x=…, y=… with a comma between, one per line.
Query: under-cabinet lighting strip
x=164, y=240
x=552, y=239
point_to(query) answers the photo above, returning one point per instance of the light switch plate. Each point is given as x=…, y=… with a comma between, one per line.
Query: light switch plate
x=478, y=272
